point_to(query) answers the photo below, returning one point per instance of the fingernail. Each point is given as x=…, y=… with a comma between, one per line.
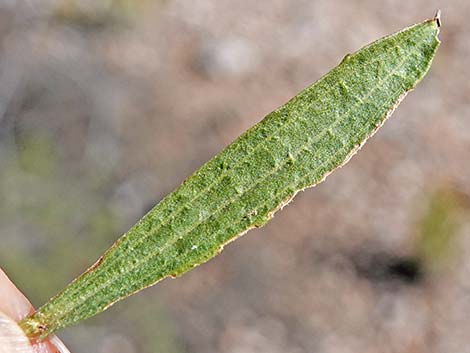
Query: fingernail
x=57, y=343
x=12, y=338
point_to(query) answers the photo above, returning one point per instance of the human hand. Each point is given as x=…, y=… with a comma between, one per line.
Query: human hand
x=13, y=307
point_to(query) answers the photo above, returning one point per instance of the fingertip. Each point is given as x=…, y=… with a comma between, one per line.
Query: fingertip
x=14, y=306
x=12, y=302
x=12, y=338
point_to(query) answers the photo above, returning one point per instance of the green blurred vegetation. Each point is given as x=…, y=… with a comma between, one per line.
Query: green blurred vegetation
x=98, y=13
x=68, y=224
x=436, y=230
x=41, y=201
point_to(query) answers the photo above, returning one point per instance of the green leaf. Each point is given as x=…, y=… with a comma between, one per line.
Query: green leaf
x=294, y=147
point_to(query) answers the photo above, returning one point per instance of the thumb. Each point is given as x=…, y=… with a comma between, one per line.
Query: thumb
x=13, y=307
x=12, y=338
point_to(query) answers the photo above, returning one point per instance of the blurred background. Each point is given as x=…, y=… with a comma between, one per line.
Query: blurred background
x=106, y=106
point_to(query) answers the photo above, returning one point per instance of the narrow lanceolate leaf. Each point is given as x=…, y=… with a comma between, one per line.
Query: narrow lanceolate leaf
x=294, y=147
